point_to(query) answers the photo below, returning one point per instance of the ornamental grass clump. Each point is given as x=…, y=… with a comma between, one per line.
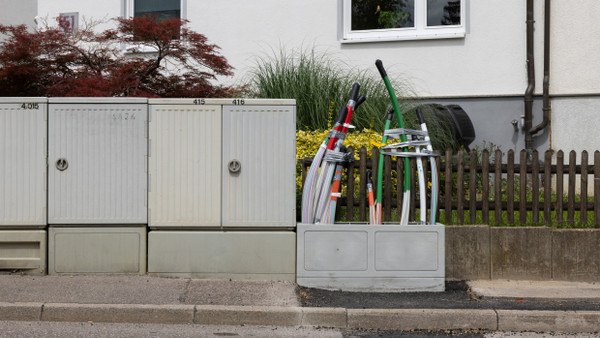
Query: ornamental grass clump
x=320, y=84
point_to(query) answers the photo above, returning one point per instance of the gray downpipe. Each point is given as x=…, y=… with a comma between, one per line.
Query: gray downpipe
x=546, y=106
x=530, y=78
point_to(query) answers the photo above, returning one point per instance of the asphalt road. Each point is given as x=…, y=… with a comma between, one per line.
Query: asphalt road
x=12, y=329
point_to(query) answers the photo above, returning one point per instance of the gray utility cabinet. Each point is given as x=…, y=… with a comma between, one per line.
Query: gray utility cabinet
x=97, y=158
x=97, y=250
x=23, y=137
x=222, y=162
x=224, y=171
x=23, y=125
x=366, y=257
x=97, y=185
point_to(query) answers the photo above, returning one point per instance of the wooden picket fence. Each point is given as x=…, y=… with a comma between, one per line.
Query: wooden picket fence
x=484, y=188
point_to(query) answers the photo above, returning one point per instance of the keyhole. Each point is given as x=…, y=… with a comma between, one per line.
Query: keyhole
x=234, y=166
x=62, y=164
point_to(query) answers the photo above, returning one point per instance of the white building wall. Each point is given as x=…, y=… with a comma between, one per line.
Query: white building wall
x=576, y=121
x=89, y=10
x=18, y=12
x=574, y=43
x=488, y=61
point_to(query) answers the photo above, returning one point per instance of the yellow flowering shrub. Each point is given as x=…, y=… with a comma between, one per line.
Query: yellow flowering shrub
x=308, y=142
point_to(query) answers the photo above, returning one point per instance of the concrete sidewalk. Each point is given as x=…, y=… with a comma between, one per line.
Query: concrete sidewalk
x=145, y=299
x=536, y=289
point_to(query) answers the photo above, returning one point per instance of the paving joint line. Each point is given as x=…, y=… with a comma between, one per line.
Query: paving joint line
x=302, y=315
x=194, y=314
x=347, y=320
x=186, y=289
x=497, y=318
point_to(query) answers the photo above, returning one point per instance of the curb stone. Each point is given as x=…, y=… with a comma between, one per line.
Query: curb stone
x=21, y=311
x=545, y=321
x=421, y=319
x=327, y=317
x=118, y=313
x=250, y=315
x=390, y=319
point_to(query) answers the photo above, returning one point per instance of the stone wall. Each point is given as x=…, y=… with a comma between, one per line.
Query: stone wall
x=522, y=253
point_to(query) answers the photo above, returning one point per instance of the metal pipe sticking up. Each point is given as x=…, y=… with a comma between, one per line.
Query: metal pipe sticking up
x=546, y=106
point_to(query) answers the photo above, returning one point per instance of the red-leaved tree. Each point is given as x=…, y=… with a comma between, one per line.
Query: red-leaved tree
x=140, y=57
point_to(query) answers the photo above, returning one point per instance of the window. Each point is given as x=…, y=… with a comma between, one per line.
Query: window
x=386, y=20
x=164, y=9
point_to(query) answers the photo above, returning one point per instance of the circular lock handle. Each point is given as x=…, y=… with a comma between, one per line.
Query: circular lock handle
x=62, y=164
x=234, y=166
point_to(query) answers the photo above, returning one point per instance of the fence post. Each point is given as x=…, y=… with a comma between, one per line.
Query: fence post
x=350, y=187
x=560, y=157
x=438, y=182
x=460, y=187
x=387, y=188
x=362, y=189
x=399, y=187
x=304, y=169
x=375, y=172
x=571, y=189
x=485, y=186
x=583, y=189
x=413, y=190
x=523, y=187
x=547, y=187
x=427, y=176
x=597, y=189
x=473, y=187
x=448, y=187
x=498, y=187
x=535, y=187
x=375, y=168
x=510, y=184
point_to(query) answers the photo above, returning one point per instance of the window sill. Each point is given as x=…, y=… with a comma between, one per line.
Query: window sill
x=403, y=38
x=137, y=50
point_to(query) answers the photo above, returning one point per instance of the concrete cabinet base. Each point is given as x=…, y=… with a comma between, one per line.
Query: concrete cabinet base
x=358, y=257
x=102, y=250
x=261, y=255
x=23, y=250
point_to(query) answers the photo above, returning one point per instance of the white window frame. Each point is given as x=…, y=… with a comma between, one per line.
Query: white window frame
x=419, y=32
x=129, y=10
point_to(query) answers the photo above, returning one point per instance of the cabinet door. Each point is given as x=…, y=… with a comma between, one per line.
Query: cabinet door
x=97, y=163
x=185, y=166
x=23, y=163
x=259, y=146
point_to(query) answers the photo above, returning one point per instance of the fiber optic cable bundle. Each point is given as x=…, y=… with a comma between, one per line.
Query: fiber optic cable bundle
x=322, y=183
x=419, y=139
